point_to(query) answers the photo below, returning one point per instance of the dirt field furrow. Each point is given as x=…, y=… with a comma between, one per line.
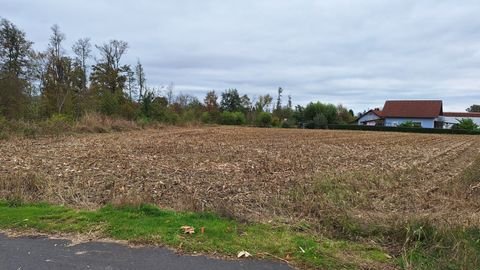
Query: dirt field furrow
x=238, y=171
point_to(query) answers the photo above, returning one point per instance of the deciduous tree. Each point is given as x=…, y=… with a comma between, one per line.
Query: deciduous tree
x=15, y=62
x=83, y=51
x=231, y=101
x=474, y=108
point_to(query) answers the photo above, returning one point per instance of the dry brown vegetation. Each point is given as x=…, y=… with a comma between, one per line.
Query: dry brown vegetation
x=253, y=173
x=325, y=179
x=60, y=125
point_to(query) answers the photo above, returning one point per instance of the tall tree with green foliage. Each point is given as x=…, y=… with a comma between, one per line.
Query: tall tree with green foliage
x=211, y=103
x=131, y=83
x=278, y=107
x=344, y=116
x=245, y=104
x=109, y=78
x=329, y=111
x=474, y=108
x=15, y=63
x=231, y=101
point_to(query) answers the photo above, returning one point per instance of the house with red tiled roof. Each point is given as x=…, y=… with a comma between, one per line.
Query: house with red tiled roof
x=423, y=113
x=371, y=118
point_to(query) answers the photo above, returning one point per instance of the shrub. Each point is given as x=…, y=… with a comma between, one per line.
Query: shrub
x=128, y=110
x=205, y=118
x=98, y=123
x=227, y=118
x=401, y=129
x=264, y=119
x=232, y=118
x=313, y=110
x=59, y=123
x=60, y=118
x=240, y=118
x=170, y=117
x=109, y=103
x=3, y=123
x=3, y=128
x=143, y=121
x=319, y=121
x=30, y=130
x=189, y=116
x=275, y=121
x=3, y=135
x=466, y=124
x=409, y=124
x=288, y=123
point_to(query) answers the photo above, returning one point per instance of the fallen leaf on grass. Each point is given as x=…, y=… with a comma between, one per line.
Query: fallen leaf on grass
x=188, y=229
x=243, y=254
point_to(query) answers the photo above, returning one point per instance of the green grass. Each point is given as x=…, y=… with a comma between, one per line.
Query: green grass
x=151, y=225
x=430, y=248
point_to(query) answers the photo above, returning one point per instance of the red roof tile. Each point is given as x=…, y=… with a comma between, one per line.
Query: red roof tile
x=461, y=114
x=377, y=112
x=412, y=108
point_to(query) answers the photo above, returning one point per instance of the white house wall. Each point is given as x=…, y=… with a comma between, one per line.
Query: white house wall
x=449, y=120
x=425, y=122
x=367, y=118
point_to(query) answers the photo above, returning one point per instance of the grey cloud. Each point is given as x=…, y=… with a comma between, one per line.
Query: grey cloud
x=358, y=53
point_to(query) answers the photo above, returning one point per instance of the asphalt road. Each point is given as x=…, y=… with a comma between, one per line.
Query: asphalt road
x=34, y=253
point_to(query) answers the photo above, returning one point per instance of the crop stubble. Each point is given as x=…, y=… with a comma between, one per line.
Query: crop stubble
x=244, y=172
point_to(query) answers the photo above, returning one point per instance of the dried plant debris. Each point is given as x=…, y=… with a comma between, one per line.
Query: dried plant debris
x=243, y=254
x=188, y=229
x=247, y=173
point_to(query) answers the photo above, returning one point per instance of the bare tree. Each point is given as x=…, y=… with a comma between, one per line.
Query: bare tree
x=112, y=52
x=169, y=93
x=56, y=83
x=107, y=73
x=264, y=103
x=83, y=50
x=141, y=80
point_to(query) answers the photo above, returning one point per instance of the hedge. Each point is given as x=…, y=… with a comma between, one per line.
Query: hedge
x=405, y=129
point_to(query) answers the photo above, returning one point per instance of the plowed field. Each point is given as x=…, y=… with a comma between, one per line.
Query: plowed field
x=251, y=173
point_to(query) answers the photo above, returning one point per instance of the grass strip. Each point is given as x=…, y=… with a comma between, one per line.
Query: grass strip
x=148, y=224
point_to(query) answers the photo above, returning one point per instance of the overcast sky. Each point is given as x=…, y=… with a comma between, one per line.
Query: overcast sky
x=354, y=52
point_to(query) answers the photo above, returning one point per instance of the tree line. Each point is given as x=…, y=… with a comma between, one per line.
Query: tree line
x=38, y=85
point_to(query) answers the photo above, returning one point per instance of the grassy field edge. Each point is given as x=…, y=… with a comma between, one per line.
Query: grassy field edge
x=148, y=224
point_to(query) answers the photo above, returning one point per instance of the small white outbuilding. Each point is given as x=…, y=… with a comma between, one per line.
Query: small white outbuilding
x=451, y=118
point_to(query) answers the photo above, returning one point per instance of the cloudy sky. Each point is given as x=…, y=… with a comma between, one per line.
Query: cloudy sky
x=355, y=52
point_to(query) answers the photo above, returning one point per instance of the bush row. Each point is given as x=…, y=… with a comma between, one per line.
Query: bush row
x=405, y=129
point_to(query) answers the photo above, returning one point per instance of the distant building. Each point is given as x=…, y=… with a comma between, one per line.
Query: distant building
x=423, y=113
x=371, y=118
x=451, y=118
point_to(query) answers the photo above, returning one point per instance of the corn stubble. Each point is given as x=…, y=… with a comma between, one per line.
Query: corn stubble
x=325, y=179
